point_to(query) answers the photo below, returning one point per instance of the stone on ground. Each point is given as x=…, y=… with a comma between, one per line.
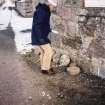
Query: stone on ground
x=74, y=70
x=64, y=60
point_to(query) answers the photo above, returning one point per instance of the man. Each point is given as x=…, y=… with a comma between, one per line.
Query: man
x=40, y=32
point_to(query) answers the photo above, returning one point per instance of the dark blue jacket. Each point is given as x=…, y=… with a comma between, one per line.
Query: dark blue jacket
x=41, y=25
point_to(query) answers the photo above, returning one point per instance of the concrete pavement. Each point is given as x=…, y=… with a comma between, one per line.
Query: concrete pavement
x=10, y=84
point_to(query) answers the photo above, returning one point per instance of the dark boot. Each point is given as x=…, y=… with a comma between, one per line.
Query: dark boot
x=48, y=72
x=45, y=72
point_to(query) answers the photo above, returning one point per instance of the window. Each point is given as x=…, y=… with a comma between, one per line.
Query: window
x=94, y=3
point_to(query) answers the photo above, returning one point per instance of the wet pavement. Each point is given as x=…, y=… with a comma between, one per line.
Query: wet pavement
x=64, y=89
x=10, y=86
x=85, y=89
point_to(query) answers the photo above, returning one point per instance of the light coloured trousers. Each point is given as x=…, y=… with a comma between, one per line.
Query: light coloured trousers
x=46, y=54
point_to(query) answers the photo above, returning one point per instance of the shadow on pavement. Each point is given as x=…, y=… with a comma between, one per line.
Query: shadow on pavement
x=7, y=39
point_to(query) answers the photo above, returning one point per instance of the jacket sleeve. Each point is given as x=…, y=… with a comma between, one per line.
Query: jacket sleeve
x=39, y=21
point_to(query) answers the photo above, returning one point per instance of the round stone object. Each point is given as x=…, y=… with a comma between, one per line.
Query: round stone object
x=74, y=70
x=64, y=60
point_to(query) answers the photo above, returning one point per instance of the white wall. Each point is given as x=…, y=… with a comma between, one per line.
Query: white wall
x=94, y=3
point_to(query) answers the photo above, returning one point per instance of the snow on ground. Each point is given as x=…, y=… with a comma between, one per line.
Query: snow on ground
x=19, y=24
x=22, y=39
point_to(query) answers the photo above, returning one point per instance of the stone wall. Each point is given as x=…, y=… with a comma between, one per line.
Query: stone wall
x=1, y=2
x=91, y=25
x=81, y=34
x=25, y=8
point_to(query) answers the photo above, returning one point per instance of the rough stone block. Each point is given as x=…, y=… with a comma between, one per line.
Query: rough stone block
x=64, y=60
x=56, y=40
x=74, y=43
x=56, y=58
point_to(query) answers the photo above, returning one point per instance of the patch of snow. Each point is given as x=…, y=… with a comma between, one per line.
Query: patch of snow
x=22, y=39
x=18, y=24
